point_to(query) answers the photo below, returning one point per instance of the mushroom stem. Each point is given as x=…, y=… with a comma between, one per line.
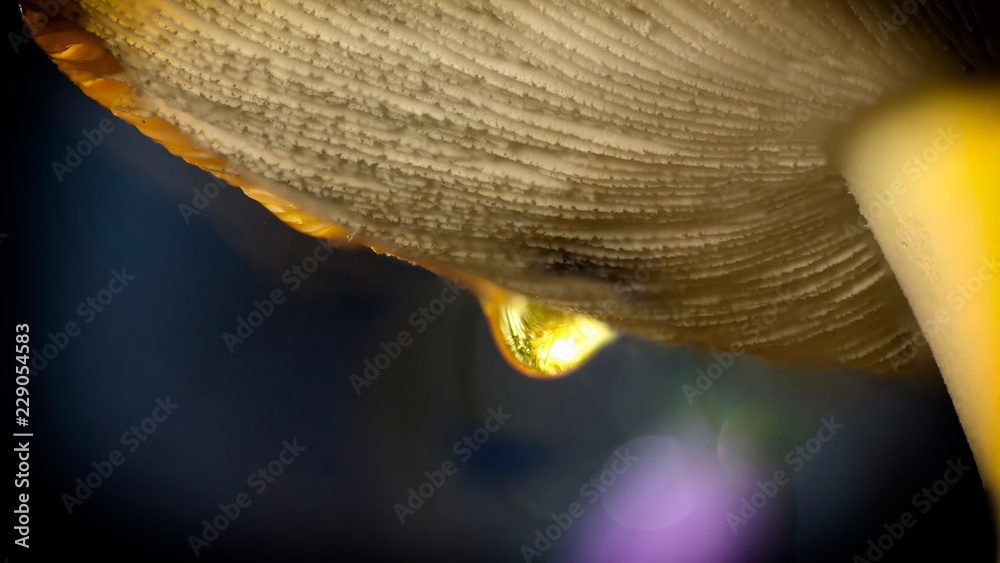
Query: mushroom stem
x=926, y=174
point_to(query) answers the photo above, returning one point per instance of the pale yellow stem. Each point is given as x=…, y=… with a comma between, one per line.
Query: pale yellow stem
x=926, y=173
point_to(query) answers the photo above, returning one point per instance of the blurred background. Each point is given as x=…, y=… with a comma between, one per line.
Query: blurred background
x=619, y=462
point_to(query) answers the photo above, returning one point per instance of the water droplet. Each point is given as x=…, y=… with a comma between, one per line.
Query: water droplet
x=541, y=341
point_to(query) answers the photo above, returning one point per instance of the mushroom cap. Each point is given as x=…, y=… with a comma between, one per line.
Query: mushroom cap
x=661, y=166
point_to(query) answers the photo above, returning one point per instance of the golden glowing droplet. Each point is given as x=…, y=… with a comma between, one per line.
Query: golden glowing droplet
x=541, y=341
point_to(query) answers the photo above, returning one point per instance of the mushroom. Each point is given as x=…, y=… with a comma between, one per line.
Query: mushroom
x=692, y=172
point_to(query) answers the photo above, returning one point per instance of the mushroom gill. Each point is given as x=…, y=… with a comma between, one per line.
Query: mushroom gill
x=562, y=151
x=664, y=167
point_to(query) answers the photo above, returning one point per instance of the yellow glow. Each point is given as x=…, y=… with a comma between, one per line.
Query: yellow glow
x=926, y=173
x=541, y=341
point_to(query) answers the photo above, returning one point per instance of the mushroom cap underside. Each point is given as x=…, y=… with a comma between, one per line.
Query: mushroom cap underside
x=663, y=167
